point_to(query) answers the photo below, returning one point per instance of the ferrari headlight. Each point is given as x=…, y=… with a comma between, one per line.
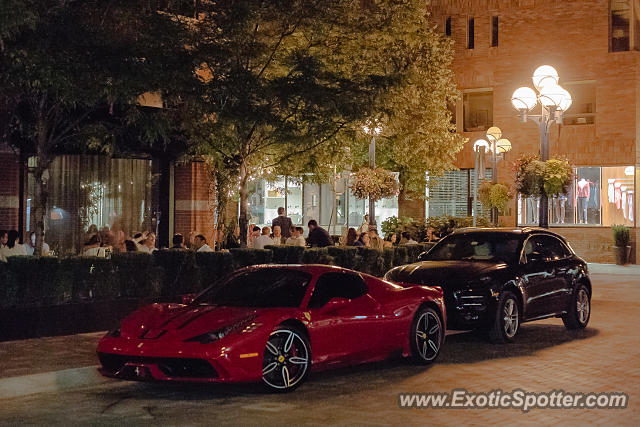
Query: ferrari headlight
x=245, y=325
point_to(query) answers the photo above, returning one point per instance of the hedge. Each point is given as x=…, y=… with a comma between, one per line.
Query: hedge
x=39, y=281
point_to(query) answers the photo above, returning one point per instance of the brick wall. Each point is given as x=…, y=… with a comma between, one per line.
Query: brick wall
x=192, y=207
x=9, y=190
x=571, y=35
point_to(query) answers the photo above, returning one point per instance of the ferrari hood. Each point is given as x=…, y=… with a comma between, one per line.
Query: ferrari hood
x=446, y=274
x=178, y=321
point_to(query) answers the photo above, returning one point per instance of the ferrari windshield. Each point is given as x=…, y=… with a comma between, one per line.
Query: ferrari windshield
x=260, y=288
x=489, y=247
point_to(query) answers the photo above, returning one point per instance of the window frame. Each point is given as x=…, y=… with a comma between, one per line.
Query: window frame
x=495, y=31
x=567, y=253
x=471, y=33
x=364, y=289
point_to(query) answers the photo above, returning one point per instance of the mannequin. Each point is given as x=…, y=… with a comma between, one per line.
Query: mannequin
x=560, y=205
x=582, y=198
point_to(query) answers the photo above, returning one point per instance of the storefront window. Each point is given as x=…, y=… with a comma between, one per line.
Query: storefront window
x=311, y=203
x=453, y=194
x=306, y=201
x=598, y=196
x=85, y=191
x=618, y=195
x=478, y=110
x=294, y=200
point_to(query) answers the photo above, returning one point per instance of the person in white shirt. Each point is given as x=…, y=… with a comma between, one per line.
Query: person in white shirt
x=277, y=235
x=200, y=244
x=364, y=227
x=297, y=239
x=92, y=248
x=150, y=242
x=255, y=233
x=31, y=245
x=13, y=246
x=263, y=240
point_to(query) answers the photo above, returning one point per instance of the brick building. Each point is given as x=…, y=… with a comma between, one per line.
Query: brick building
x=594, y=45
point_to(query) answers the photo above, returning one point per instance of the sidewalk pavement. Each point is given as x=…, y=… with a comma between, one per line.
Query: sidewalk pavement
x=54, y=363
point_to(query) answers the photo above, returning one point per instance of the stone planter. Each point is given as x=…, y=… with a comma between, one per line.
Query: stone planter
x=622, y=254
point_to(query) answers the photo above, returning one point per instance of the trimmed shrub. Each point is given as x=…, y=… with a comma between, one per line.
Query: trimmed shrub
x=213, y=266
x=413, y=251
x=371, y=261
x=317, y=256
x=243, y=257
x=138, y=274
x=286, y=254
x=34, y=280
x=87, y=277
x=180, y=271
x=387, y=257
x=344, y=256
x=401, y=256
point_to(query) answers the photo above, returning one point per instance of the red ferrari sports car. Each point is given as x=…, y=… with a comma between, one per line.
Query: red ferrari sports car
x=274, y=323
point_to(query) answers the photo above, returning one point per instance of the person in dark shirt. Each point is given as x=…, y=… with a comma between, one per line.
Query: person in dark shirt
x=285, y=224
x=318, y=236
x=178, y=241
x=233, y=239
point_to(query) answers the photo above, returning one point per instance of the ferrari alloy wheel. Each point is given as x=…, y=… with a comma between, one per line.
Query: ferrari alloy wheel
x=579, y=311
x=426, y=335
x=507, y=321
x=286, y=360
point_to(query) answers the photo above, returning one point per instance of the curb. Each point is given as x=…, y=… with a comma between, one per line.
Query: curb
x=50, y=382
x=629, y=269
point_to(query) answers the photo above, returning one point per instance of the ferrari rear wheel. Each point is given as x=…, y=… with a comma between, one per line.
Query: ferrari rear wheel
x=426, y=335
x=287, y=359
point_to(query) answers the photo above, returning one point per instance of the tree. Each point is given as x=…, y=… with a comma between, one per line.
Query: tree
x=288, y=84
x=418, y=135
x=72, y=74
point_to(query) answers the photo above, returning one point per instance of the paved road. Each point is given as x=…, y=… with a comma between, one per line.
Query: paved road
x=546, y=357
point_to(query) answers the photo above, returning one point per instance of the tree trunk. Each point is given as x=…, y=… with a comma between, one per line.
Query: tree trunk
x=244, y=204
x=40, y=176
x=408, y=206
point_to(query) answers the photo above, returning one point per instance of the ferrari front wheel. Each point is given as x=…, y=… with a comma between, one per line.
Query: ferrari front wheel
x=286, y=360
x=426, y=336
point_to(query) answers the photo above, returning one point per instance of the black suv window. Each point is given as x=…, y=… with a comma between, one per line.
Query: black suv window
x=545, y=248
x=337, y=285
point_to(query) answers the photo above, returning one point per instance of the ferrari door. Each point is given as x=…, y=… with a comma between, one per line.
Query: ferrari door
x=343, y=319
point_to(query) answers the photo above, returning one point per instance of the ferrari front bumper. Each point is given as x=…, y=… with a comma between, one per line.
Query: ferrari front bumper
x=137, y=360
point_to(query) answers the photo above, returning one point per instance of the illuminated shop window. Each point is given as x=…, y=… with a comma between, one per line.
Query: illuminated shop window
x=306, y=201
x=598, y=196
x=97, y=192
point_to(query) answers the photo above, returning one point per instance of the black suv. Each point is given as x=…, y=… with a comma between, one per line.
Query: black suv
x=495, y=279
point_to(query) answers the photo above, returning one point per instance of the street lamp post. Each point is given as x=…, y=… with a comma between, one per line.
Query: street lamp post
x=553, y=100
x=372, y=129
x=496, y=145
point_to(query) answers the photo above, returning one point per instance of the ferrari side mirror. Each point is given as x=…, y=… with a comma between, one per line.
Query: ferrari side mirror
x=188, y=298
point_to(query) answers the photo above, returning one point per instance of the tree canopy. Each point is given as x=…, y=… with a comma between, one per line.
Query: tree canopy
x=72, y=72
x=288, y=85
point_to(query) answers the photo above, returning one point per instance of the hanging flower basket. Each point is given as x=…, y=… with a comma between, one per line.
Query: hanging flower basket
x=557, y=178
x=494, y=196
x=535, y=177
x=375, y=183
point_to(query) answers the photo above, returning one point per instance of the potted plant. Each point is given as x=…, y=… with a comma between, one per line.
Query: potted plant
x=621, y=238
